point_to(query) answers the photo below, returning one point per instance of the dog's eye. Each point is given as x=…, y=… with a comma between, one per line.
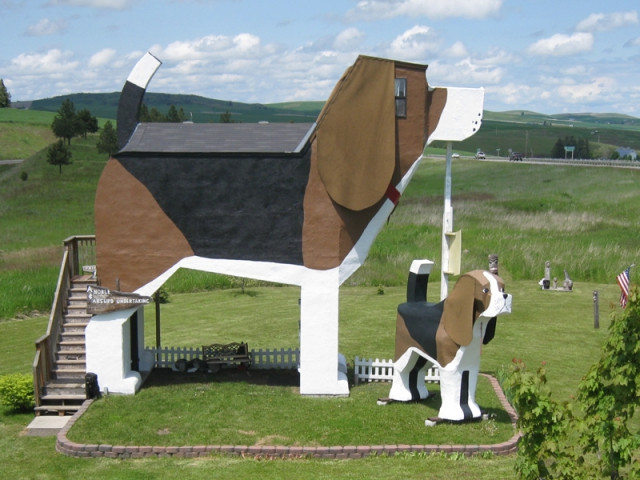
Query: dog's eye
x=485, y=290
x=502, y=290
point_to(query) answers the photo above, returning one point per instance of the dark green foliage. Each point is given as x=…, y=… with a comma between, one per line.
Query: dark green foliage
x=108, y=140
x=59, y=154
x=5, y=96
x=16, y=392
x=596, y=441
x=609, y=393
x=88, y=123
x=66, y=123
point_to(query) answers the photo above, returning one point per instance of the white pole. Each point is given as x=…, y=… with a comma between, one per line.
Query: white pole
x=447, y=226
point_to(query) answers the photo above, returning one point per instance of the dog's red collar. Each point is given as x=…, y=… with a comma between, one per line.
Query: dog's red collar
x=393, y=194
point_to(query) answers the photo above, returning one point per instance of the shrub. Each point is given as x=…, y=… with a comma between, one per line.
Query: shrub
x=16, y=392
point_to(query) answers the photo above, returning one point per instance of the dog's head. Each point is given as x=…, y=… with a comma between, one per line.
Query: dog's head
x=476, y=294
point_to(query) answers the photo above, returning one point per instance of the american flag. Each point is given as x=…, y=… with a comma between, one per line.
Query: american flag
x=623, y=282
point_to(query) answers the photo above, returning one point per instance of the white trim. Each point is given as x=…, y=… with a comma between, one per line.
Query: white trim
x=144, y=70
x=461, y=116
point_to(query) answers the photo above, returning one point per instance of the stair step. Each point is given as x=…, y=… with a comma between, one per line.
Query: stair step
x=63, y=398
x=69, y=346
x=76, y=319
x=71, y=356
x=77, y=313
x=59, y=409
x=77, y=328
x=69, y=363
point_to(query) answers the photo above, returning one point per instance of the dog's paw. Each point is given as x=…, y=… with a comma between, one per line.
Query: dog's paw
x=384, y=401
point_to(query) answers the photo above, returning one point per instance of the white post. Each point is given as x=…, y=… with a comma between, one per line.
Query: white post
x=447, y=226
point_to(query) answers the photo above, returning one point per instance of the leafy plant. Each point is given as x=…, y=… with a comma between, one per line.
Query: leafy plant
x=16, y=391
x=609, y=393
x=556, y=440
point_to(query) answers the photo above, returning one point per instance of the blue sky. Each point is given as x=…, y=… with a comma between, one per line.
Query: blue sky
x=541, y=55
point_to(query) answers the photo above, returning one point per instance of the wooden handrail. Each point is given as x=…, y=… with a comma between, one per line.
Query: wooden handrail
x=81, y=247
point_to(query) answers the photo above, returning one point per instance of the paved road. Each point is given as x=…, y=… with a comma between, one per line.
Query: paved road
x=11, y=162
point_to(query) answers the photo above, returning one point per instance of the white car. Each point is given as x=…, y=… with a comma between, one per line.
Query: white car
x=480, y=156
x=455, y=155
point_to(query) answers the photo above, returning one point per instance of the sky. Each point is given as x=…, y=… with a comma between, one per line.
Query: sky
x=546, y=56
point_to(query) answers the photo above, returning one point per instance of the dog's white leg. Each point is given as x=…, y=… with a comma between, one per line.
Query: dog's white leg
x=408, y=377
x=458, y=381
x=319, y=358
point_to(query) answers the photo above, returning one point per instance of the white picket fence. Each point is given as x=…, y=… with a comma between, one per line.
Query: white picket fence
x=369, y=370
x=364, y=369
x=282, y=358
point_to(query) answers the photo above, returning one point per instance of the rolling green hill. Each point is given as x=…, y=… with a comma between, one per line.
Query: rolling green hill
x=199, y=109
x=531, y=133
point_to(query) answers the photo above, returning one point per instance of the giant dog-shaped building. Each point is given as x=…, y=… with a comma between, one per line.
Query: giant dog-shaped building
x=298, y=204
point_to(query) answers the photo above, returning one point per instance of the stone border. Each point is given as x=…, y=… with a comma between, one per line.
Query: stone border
x=67, y=447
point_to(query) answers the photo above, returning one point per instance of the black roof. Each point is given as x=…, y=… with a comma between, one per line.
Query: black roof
x=260, y=137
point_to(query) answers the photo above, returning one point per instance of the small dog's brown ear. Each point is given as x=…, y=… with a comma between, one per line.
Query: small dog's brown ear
x=457, y=316
x=356, y=135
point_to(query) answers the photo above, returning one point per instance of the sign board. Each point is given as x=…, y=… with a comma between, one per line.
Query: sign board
x=103, y=300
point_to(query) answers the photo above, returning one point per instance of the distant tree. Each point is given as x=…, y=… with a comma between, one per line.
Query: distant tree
x=558, y=149
x=156, y=116
x=66, y=123
x=88, y=123
x=59, y=154
x=144, y=114
x=174, y=115
x=108, y=140
x=615, y=155
x=226, y=117
x=582, y=149
x=5, y=96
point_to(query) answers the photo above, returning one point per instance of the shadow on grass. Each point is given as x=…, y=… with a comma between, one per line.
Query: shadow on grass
x=162, y=377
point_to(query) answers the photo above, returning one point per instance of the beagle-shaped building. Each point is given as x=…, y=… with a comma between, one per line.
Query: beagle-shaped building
x=297, y=204
x=449, y=335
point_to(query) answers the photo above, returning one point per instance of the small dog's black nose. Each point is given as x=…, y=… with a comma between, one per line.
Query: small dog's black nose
x=505, y=295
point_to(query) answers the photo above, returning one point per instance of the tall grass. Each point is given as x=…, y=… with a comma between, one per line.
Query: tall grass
x=581, y=219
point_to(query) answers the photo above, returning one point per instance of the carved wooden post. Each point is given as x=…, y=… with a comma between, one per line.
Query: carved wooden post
x=493, y=263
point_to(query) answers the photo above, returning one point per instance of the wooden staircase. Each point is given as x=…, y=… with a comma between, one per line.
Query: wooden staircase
x=64, y=392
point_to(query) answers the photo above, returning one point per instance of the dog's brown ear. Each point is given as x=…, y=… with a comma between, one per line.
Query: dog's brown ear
x=356, y=135
x=457, y=316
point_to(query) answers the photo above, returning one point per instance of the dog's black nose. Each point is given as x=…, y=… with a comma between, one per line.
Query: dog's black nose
x=505, y=295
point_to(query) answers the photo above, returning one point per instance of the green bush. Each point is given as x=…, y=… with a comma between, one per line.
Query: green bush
x=16, y=392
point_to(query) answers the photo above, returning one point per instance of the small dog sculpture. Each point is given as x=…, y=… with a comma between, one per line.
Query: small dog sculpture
x=449, y=335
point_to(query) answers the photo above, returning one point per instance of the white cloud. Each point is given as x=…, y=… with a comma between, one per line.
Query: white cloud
x=562, y=45
x=456, y=50
x=602, y=22
x=102, y=58
x=348, y=38
x=466, y=73
x=435, y=9
x=414, y=44
x=108, y=4
x=46, y=27
x=52, y=62
x=593, y=91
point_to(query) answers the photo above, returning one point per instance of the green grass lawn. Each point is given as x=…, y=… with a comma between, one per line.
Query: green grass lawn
x=553, y=327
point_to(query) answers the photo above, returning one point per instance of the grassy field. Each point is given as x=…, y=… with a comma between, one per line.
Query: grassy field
x=583, y=220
